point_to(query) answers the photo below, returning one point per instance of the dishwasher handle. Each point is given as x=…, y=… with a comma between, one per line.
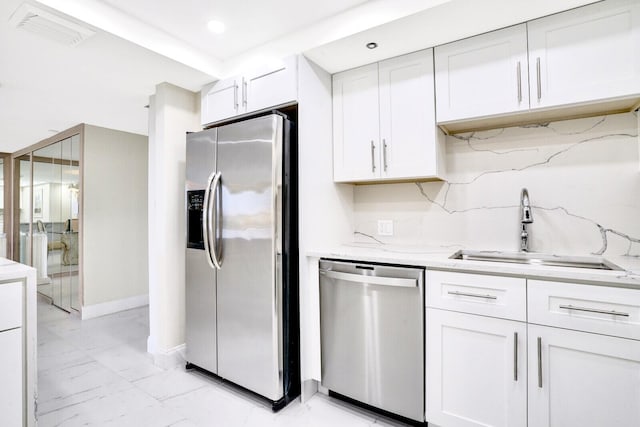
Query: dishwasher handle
x=371, y=280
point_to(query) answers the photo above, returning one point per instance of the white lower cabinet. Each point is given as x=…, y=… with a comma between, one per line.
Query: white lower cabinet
x=476, y=370
x=579, y=379
x=571, y=359
x=11, y=383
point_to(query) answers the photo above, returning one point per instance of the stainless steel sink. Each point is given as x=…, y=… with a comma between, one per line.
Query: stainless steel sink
x=532, y=258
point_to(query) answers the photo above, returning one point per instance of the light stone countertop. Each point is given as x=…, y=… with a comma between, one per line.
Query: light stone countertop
x=10, y=270
x=438, y=258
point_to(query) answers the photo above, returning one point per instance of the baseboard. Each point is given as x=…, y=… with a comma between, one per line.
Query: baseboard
x=308, y=389
x=97, y=310
x=171, y=358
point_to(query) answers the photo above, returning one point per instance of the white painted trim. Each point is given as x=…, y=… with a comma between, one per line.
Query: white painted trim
x=171, y=358
x=97, y=310
x=308, y=390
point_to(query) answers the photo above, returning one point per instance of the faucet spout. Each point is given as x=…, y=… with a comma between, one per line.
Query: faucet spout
x=526, y=217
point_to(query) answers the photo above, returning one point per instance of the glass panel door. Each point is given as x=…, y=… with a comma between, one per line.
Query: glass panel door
x=55, y=216
x=22, y=209
x=3, y=235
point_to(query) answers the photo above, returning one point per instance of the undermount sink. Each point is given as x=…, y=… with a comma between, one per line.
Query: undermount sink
x=532, y=258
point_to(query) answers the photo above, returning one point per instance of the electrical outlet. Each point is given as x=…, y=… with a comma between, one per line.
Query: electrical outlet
x=385, y=227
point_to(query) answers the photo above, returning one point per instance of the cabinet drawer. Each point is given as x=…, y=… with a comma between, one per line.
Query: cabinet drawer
x=10, y=305
x=503, y=297
x=599, y=309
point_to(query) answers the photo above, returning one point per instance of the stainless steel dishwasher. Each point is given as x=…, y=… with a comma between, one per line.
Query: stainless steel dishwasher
x=372, y=334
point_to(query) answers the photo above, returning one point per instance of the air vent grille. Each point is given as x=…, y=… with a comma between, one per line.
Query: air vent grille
x=49, y=25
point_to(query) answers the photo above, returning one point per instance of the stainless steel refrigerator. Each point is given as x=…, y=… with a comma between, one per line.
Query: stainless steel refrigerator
x=241, y=257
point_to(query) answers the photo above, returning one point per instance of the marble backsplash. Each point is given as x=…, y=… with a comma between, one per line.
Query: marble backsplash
x=583, y=178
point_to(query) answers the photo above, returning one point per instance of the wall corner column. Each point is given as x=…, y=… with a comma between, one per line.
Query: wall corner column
x=173, y=111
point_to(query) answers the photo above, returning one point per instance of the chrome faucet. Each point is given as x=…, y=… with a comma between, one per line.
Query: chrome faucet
x=526, y=217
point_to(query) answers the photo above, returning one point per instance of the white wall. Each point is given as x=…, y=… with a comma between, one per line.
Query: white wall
x=114, y=227
x=173, y=111
x=582, y=176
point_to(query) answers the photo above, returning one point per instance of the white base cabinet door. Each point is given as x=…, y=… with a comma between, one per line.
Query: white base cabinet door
x=579, y=379
x=11, y=374
x=586, y=54
x=476, y=370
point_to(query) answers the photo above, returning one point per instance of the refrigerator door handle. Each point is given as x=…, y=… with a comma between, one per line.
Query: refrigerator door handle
x=216, y=257
x=206, y=220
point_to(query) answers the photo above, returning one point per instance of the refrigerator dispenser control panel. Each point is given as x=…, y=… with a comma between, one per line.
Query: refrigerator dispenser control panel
x=195, y=202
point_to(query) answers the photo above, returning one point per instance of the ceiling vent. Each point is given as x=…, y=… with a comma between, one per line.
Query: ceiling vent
x=49, y=25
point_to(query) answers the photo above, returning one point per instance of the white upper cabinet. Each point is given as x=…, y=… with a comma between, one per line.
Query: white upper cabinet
x=384, y=121
x=355, y=124
x=271, y=85
x=267, y=86
x=586, y=54
x=220, y=100
x=578, y=63
x=407, y=116
x=482, y=75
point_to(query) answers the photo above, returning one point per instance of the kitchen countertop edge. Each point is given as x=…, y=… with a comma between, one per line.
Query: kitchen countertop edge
x=438, y=259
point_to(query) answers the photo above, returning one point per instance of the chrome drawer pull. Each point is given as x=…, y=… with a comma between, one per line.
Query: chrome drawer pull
x=373, y=157
x=515, y=356
x=539, y=79
x=519, y=78
x=464, y=294
x=370, y=280
x=539, y=362
x=594, y=310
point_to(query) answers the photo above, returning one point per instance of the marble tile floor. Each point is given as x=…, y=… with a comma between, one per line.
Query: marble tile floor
x=97, y=373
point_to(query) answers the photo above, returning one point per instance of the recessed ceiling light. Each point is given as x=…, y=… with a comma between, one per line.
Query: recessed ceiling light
x=216, y=27
x=372, y=45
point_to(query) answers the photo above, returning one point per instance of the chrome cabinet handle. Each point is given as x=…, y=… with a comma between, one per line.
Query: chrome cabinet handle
x=594, y=310
x=539, y=362
x=538, y=76
x=384, y=154
x=244, y=92
x=515, y=356
x=206, y=220
x=465, y=294
x=370, y=280
x=235, y=95
x=519, y=71
x=217, y=240
x=373, y=157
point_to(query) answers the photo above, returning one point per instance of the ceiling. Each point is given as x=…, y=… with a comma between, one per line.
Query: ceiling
x=106, y=80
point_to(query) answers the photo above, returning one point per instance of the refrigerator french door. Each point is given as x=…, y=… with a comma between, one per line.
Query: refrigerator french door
x=241, y=260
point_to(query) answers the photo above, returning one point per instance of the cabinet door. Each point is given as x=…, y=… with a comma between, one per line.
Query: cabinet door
x=271, y=85
x=11, y=374
x=407, y=116
x=220, y=101
x=585, y=54
x=476, y=370
x=579, y=379
x=356, y=124
x=483, y=75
